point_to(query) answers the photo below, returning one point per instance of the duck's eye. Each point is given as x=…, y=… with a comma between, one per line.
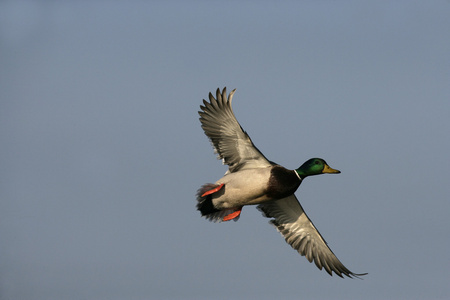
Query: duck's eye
x=316, y=162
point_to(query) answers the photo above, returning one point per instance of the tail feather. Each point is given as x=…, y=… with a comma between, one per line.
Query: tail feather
x=205, y=204
x=207, y=208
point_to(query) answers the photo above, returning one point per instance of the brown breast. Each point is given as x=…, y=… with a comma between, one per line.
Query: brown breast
x=282, y=182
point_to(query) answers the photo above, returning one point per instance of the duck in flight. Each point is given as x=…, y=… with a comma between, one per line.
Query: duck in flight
x=251, y=179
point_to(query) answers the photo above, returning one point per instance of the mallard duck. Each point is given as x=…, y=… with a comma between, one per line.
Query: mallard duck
x=251, y=179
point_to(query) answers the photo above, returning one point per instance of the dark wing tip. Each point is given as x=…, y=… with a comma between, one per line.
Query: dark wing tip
x=342, y=270
x=353, y=275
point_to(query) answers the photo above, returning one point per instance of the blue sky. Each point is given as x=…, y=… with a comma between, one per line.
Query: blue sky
x=102, y=151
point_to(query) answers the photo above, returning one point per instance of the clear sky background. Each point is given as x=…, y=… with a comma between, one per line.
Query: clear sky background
x=102, y=151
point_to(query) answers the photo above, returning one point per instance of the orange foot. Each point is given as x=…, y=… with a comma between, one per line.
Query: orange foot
x=216, y=189
x=233, y=215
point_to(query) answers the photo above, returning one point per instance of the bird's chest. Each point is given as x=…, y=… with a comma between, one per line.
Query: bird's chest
x=282, y=183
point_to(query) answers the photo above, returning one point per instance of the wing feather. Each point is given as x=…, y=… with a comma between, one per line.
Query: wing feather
x=292, y=222
x=231, y=143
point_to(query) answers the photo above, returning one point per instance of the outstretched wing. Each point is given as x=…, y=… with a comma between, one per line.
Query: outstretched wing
x=230, y=141
x=292, y=222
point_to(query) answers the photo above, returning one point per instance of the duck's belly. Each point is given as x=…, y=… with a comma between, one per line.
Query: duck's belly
x=246, y=188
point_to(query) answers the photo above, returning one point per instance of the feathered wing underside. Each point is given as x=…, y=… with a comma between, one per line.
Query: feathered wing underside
x=231, y=143
x=292, y=222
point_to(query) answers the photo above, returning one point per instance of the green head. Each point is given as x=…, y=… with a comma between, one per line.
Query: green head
x=315, y=166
